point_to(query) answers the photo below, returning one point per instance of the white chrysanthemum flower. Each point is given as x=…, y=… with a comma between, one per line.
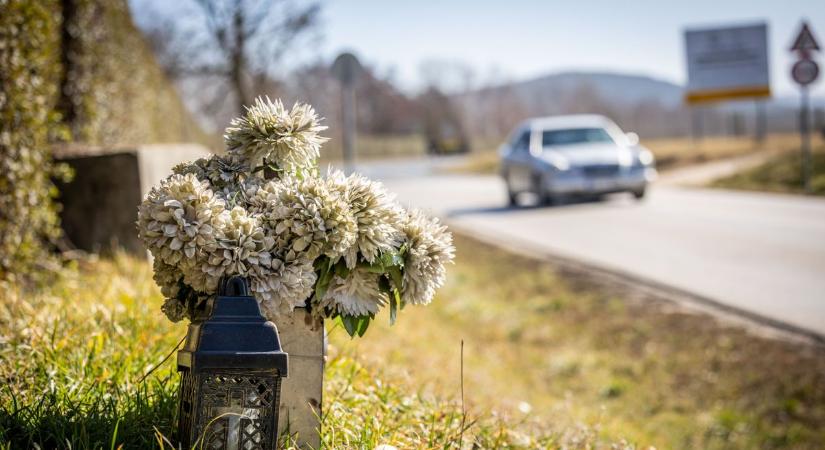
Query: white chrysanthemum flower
x=196, y=168
x=377, y=216
x=356, y=295
x=167, y=278
x=268, y=132
x=281, y=287
x=177, y=219
x=263, y=197
x=429, y=249
x=228, y=175
x=241, y=242
x=174, y=309
x=217, y=169
x=308, y=218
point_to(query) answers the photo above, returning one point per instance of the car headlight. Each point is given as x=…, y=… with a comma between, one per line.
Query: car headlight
x=645, y=157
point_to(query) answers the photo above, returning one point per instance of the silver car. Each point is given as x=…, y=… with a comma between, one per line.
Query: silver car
x=562, y=156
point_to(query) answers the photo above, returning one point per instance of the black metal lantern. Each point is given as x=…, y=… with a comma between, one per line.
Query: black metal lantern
x=231, y=367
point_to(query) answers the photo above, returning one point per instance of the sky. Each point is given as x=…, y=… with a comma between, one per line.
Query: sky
x=521, y=39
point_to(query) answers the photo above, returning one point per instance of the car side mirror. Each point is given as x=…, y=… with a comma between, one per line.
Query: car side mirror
x=632, y=139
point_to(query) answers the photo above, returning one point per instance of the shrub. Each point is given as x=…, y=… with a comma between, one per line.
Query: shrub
x=28, y=70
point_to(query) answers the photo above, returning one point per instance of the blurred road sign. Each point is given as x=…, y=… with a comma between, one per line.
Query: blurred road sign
x=727, y=63
x=805, y=41
x=347, y=69
x=805, y=72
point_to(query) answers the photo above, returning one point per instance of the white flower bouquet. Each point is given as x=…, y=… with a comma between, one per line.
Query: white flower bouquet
x=338, y=245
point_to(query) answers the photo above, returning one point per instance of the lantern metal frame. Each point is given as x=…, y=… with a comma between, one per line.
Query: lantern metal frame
x=231, y=368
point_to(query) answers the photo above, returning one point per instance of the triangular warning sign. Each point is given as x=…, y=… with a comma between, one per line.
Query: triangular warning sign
x=805, y=41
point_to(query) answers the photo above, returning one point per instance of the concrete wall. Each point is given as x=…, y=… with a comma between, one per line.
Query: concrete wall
x=100, y=203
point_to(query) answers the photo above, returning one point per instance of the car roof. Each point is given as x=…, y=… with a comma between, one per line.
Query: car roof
x=569, y=121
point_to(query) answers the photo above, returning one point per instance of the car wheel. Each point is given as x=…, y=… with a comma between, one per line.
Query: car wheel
x=512, y=197
x=544, y=197
x=639, y=194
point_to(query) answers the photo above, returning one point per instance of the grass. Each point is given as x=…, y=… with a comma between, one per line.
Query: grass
x=678, y=152
x=73, y=356
x=670, y=152
x=571, y=354
x=782, y=173
x=549, y=362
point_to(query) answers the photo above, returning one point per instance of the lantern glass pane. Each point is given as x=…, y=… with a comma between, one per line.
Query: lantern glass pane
x=238, y=411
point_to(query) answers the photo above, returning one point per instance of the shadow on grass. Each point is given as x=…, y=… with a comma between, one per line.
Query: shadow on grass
x=102, y=418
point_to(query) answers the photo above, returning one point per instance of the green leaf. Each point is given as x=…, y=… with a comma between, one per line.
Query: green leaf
x=320, y=263
x=375, y=267
x=363, y=324
x=341, y=269
x=396, y=277
x=114, y=435
x=350, y=324
x=323, y=266
x=393, y=306
x=390, y=259
x=356, y=324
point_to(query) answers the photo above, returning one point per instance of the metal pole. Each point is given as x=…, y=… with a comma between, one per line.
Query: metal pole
x=696, y=124
x=805, y=134
x=348, y=119
x=761, y=122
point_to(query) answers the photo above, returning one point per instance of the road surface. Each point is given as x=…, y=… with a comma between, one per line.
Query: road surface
x=759, y=253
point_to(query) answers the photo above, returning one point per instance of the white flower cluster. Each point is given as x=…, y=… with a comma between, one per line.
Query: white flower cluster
x=338, y=244
x=269, y=133
x=429, y=248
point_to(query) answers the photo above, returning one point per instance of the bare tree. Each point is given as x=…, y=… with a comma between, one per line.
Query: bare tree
x=235, y=44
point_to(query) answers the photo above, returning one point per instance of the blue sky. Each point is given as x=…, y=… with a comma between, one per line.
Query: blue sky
x=521, y=39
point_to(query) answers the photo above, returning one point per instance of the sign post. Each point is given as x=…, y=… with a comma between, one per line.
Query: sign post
x=804, y=72
x=346, y=69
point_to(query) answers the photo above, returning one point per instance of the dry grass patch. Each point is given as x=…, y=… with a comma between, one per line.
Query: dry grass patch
x=677, y=152
x=782, y=173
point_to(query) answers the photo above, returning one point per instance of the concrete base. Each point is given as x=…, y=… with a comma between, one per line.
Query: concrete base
x=303, y=338
x=100, y=203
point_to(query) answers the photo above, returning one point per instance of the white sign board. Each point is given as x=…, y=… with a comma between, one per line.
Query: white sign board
x=727, y=63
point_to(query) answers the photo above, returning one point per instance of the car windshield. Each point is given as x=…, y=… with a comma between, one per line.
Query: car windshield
x=574, y=136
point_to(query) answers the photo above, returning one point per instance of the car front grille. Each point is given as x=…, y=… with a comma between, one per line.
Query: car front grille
x=602, y=170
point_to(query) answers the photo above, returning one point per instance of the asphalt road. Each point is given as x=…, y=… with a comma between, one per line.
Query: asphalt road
x=759, y=253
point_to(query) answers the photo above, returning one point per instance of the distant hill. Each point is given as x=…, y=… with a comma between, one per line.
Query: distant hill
x=612, y=87
x=640, y=103
x=649, y=106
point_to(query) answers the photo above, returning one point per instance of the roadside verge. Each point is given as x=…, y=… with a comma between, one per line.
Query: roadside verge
x=628, y=285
